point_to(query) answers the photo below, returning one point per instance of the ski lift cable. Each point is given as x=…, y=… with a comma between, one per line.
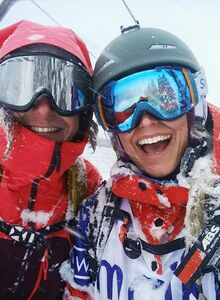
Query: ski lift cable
x=45, y=12
x=130, y=12
x=52, y=19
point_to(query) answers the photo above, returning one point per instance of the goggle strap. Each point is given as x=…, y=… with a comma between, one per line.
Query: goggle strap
x=63, y=80
x=192, y=94
x=201, y=82
x=101, y=115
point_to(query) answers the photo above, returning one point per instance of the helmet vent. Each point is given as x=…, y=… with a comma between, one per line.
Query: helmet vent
x=162, y=46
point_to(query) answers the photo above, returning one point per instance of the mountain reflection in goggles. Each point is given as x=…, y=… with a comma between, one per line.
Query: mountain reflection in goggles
x=24, y=78
x=164, y=92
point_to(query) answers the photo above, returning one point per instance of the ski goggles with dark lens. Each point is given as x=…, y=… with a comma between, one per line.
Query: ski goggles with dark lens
x=24, y=78
x=164, y=92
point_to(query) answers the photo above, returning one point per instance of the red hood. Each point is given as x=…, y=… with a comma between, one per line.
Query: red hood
x=26, y=33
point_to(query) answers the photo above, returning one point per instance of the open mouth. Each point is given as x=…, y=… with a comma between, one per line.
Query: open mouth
x=156, y=144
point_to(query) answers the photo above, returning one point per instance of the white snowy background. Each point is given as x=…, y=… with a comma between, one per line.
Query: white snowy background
x=197, y=22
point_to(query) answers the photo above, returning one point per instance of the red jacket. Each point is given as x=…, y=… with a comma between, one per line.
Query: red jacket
x=34, y=194
x=33, y=185
x=34, y=179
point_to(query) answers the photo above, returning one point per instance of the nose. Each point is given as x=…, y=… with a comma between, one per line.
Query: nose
x=147, y=120
x=43, y=105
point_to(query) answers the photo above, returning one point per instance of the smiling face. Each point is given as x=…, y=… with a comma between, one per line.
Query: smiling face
x=156, y=146
x=44, y=121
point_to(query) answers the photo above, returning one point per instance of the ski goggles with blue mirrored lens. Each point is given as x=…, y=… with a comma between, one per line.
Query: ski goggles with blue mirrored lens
x=24, y=78
x=164, y=92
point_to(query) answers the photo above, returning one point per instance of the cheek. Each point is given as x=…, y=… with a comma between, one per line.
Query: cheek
x=72, y=123
x=183, y=132
x=17, y=115
x=180, y=129
x=125, y=139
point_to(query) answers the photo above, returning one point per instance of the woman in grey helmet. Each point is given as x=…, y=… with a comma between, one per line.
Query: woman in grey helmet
x=152, y=230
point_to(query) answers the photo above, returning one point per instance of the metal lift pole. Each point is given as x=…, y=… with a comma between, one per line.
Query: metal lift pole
x=5, y=5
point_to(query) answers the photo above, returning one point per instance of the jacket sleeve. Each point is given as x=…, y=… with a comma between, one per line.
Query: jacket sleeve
x=76, y=271
x=94, y=178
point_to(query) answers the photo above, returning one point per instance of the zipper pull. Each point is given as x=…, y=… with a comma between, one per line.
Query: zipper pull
x=58, y=157
x=45, y=264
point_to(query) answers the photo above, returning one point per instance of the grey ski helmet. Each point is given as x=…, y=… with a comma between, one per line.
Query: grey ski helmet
x=141, y=49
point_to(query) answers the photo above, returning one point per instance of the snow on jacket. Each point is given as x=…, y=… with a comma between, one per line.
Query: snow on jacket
x=159, y=214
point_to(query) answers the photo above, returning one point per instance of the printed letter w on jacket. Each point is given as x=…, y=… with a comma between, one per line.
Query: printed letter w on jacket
x=81, y=266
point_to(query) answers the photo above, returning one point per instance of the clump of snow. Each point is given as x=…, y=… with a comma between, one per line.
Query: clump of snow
x=67, y=275
x=183, y=181
x=133, y=236
x=155, y=288
x=138, y=230
x=95, y=220
x=69, y=211
x=6, y=126
x=35, y=37
x=158, y=233
x=203, y=191
x=66, y=272
x=164, y=200
x=119, y=170
x=39, y=217
x=81, y=170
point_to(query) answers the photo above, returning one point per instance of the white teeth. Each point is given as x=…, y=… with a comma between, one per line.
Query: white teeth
x=154, y=139
x=43, y=129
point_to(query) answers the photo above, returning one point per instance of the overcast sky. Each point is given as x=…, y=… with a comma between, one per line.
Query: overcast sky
x=197, y=22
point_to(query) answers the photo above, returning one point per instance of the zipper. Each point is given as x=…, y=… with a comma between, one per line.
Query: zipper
x=54, y=165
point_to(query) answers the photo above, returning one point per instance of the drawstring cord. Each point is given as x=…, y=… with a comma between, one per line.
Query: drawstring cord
x=42, y=273
x=45, y=264
x=123, y=230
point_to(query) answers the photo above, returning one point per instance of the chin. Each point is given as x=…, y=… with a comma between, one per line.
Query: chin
x=158, y=172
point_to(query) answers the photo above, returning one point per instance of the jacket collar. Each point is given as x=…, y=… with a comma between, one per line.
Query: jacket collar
x=33, y=157
x=143, y=189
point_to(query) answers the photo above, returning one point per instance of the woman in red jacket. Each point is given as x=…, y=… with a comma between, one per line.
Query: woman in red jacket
x=46, y=121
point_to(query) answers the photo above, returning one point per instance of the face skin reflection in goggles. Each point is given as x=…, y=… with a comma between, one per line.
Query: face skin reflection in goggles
x=24, y=78
x=164, y=92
